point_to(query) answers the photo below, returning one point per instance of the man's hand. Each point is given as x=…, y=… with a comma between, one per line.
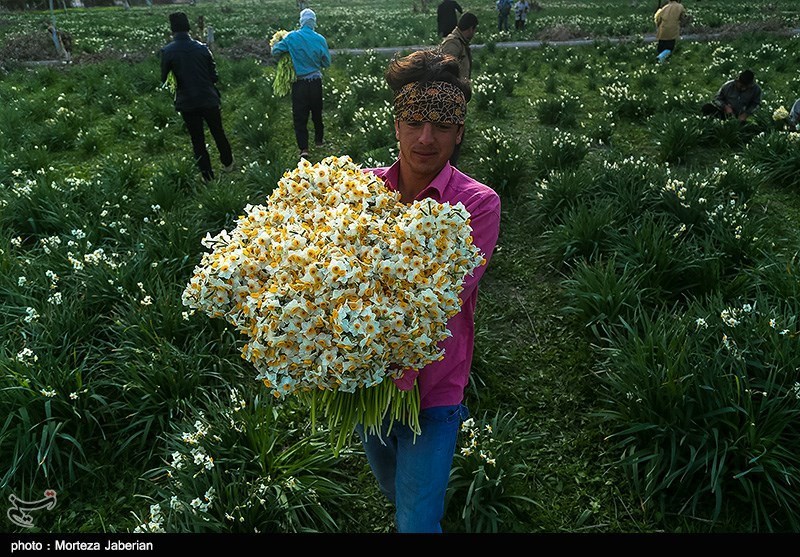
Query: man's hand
x=728, y=109
x=743, y=116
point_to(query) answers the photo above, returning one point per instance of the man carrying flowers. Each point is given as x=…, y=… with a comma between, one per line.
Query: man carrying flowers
x=197, y=98
x=309, y=53
x=430, y=105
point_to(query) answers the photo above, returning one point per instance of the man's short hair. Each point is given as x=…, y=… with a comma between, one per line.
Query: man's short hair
x=179, y=22
x=468, y=20
x=424, y=66
x=746, y=77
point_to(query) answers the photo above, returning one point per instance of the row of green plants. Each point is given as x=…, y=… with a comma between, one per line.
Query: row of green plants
x=95, y=30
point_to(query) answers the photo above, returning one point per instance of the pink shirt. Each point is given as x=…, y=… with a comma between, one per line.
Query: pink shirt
x=442, y=383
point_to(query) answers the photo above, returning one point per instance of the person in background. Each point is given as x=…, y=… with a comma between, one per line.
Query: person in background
x=309, y=52
x=503, y=9
x=738, y=98
x=668, y=21
x=456, y=44
x=196, y=95
x=794, y=114
x=430, y=108
x=521, y=9
x=446, y=18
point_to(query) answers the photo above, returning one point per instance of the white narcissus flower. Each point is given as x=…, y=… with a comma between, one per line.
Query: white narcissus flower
x=335, y=257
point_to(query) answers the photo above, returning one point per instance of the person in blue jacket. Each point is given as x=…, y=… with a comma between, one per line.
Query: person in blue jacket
x=196, y=95
x=309, y=52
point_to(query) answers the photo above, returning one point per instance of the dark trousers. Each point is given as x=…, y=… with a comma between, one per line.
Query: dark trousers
x=519, y=24
x=307, y=97
x=714, y=111
x=194, y=123
x=665, y=45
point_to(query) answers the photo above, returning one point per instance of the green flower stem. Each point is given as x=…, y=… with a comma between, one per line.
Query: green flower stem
x=368, y=406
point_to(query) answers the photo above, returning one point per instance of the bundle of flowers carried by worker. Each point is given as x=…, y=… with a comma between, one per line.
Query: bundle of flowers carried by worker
x=339, y=287
x=171, y=84
x=284, y=75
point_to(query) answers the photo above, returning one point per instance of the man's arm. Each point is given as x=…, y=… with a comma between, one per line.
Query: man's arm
x=485, y=223
x=166, y=66
x=212, y=66
x=458, y=8
x=279, y=48
x=325, y=60
x=722, y=95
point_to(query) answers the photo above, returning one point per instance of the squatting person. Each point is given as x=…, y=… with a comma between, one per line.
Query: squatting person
x=737, y=98
x=430, y=105
x=196, y=95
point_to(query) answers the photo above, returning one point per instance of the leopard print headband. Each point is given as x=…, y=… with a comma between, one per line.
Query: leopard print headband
x=435, y=101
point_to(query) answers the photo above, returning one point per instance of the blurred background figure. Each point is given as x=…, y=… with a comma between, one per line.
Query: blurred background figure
x=521, y=9
x=196, y=95
x=738, y=98
x=503, y=10
x=309, y=52
x=446, y=18
x=668, y=21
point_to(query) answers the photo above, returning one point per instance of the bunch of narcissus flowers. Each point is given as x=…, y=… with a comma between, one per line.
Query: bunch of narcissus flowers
x=336, y=283
x=285, y=74
x=780, y=114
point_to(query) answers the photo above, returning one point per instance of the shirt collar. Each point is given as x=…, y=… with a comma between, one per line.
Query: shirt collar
x=434, y=190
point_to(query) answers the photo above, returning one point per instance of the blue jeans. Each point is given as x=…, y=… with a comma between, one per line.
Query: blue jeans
x=414, y=474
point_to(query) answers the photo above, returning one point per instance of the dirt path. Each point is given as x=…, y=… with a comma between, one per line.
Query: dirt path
x=695, y=37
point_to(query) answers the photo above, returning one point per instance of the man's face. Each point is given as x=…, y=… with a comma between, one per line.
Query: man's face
x=469, y=33
x=426, y=146
x=741, y=86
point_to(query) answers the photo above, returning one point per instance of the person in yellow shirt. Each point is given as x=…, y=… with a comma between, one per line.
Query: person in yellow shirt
x=668, y=22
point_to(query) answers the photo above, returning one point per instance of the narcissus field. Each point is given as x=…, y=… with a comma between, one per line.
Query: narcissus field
x=637, y=347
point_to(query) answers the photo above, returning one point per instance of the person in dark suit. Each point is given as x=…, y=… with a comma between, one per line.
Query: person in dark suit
x=196, y=95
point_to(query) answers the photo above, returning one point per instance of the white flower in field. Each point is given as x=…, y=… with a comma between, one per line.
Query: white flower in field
x=468, y=424
x=466, y=451
x=773, y=323
x=185, y=315
x=55, y=298
x=49, y=392
x=796, y=390
x=700, y=323
x=784, y=332
x=27, y=355
x=728, y=317
x=196, y=502
x=747, y=308
x=22, y=280
x=31, y=315
x=147, y=301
